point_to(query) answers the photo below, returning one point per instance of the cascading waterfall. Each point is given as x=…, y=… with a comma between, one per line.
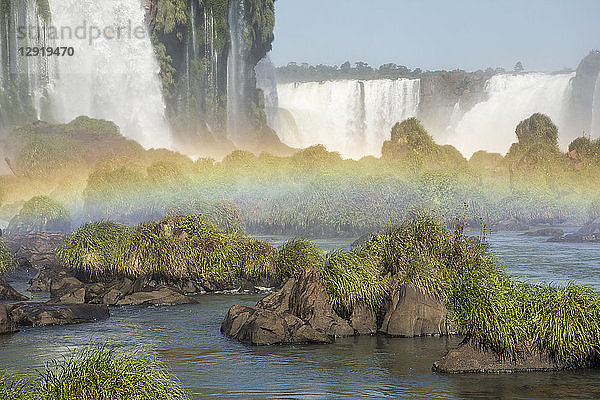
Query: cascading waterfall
x=350, y=116
x=235, y=71
x=490, y=125
x=113, y=79
x=596, y=110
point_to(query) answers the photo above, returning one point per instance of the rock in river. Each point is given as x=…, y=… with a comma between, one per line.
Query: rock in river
x=470, y=358
x=47, y=314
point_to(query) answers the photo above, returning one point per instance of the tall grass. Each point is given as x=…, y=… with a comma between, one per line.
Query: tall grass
x=102, y=373
x=7, y=261
x=512, y=317
x=14, y=387
x=174, y=248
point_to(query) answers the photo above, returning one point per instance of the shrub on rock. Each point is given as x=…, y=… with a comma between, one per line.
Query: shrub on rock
x=40, y=214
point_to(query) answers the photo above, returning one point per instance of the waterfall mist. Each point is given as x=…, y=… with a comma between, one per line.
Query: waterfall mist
x=235, y=71
x=490, y=125
x=352, y=117
x=113, y=79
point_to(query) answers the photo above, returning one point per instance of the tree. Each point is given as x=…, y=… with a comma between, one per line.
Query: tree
x=519, y=67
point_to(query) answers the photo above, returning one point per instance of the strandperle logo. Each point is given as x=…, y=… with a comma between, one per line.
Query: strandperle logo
x=86, y=31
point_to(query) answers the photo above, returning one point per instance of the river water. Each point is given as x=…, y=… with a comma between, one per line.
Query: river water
x=187, y=338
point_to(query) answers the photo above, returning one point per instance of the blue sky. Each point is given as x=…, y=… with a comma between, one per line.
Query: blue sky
x=546, y=35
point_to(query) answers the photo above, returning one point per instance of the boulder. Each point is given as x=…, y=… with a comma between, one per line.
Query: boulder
x=471, y=358
x=363, y=320
x=68, y=289
x=310, y=302
x=48, y=314
x=162, y=296
x=38, y=249
x=8, y=293
x=261, y=327
x=42, y=282
x=6, y=323
x=411, y=312
x=300, y=312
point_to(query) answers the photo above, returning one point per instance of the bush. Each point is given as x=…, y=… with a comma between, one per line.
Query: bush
x=6, y=259
x=14, y=388
x=174, y=248
x=40, y=214
x=105, y=374
x=295, y=256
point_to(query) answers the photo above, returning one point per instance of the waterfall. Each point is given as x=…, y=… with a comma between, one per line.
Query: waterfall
x=350, y=116
x=596, y=110
x=113, y=79
x=235, y=72
x=490, y=125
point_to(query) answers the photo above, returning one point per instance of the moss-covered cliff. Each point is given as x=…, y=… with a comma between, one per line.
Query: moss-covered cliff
x=193, y=42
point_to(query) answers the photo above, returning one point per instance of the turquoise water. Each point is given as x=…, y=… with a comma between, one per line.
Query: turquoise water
x=212, y=366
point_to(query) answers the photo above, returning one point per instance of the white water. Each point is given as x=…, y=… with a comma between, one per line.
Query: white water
x=235, y=72
x=596, y=110
x=113, y=79
x=490, y=125
x=352, y=117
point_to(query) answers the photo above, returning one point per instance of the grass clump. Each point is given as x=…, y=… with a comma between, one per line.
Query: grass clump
x=512, y=317
x=295, y=256
x=105, y=374
x=14, y=388
x=40, y=214
x=7, y=261
x=173, y=248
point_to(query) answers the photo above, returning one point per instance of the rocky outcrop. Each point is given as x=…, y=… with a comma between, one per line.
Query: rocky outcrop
x=35, y=249
x=411, y=312
x=310, y=302
x=49, y=314
x=262, y=327
x=546, y=232
x=6, y=323
x=589, y=233
x=286, y=315
x=161, y=296
x=470, y=358
x=298, y=313
x=8, y=293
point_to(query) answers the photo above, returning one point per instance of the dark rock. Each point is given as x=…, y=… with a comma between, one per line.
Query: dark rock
x=263, y=327
x=469, y=358
x=8, y=293
x=363, y=320
x=46, y=314
x=310, y=302
x=6, y=323
x=589, y=233
x=300, y=312
x=68, y=290
x=162, y=296
x=42, y=282
x=546, y=232
x=410, y=312
x=38, y=249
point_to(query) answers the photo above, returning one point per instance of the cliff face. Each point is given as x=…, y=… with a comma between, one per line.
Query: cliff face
x=193, y=41
x=582, y=98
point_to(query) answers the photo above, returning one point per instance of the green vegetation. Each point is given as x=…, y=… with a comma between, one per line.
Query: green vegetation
x=174, y=248
x=6, y=259
x=40, y=214
x=105, y=374
x=14, y=388
x=97, y=373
